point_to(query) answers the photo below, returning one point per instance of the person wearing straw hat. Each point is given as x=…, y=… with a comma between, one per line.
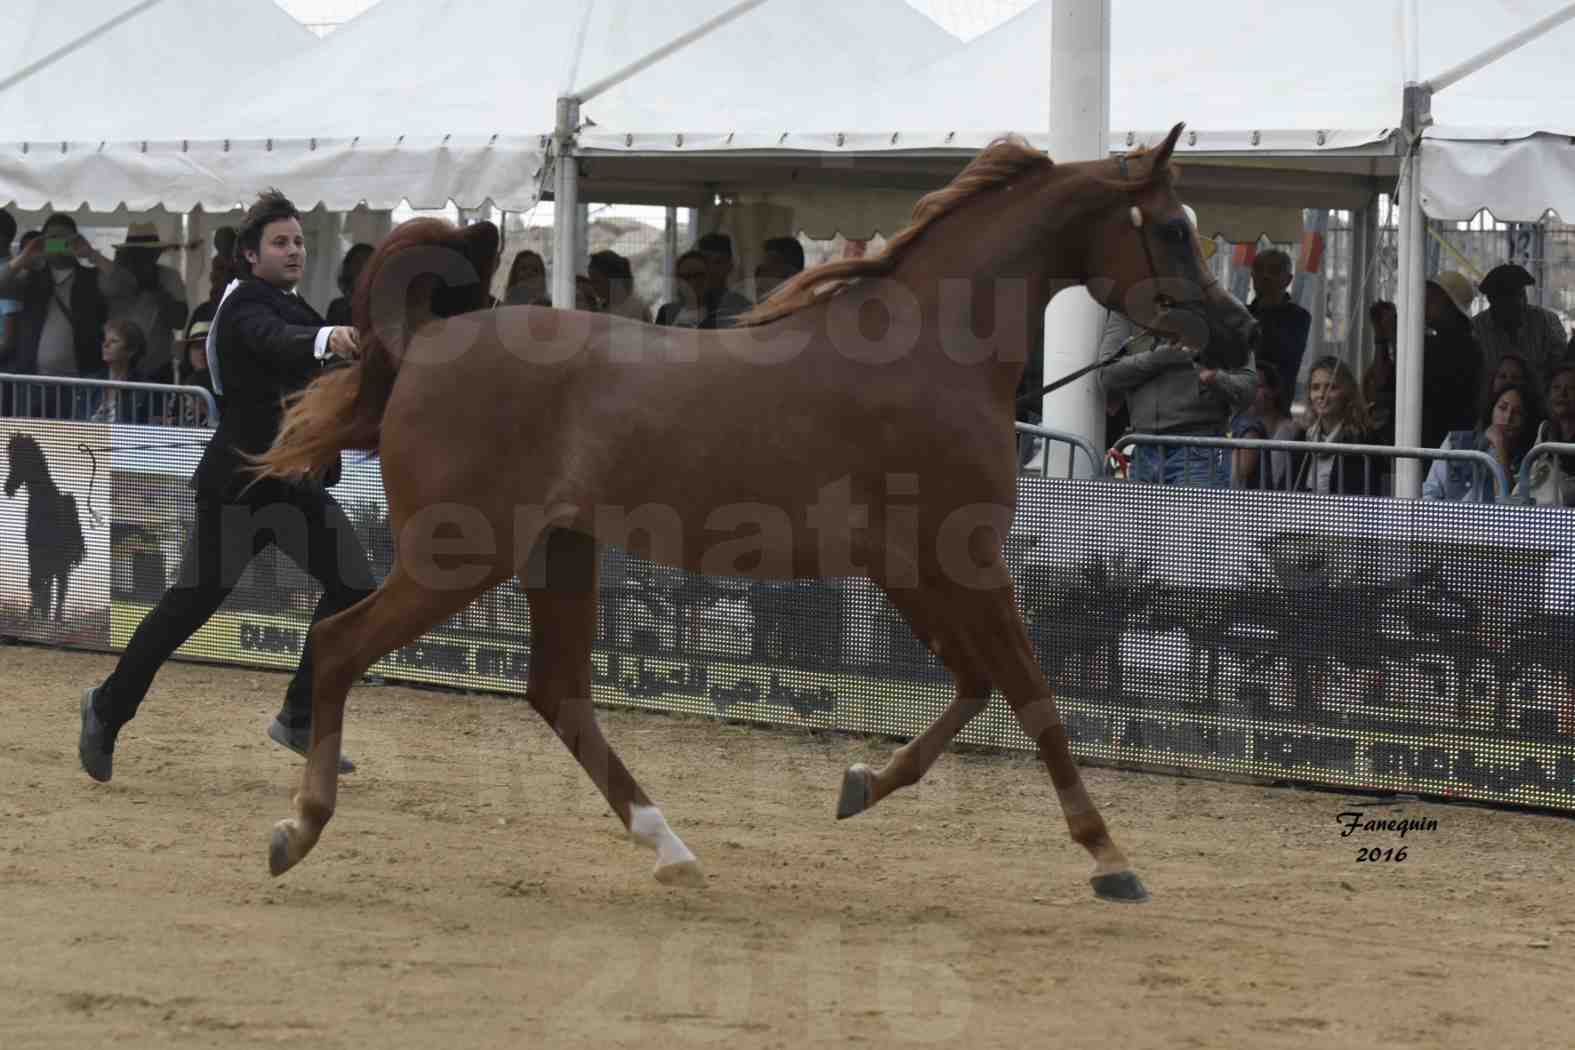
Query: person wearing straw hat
x=193, y=371
x=151, y=296
x=1451, y=359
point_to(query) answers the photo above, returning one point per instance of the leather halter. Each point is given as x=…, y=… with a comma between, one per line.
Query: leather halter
x=1196, y=304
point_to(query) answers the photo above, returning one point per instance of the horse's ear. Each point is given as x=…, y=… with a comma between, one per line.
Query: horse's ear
x=1162, y=154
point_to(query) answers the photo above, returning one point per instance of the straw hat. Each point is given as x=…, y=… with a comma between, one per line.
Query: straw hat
x=145, y=235
x=1458, y=287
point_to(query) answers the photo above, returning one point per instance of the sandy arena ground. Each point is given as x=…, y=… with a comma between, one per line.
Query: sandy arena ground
x=473, y=892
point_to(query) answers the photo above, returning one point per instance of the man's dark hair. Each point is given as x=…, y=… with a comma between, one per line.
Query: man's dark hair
x=59, y=219
x=350, y=266
x=1379, y=307
x=715, y=244
x=610, y=265
x=1281, y=260
x=7, y=227
x=788, y=248
x=271, y=206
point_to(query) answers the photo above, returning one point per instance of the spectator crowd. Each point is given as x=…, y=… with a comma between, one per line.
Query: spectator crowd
x=1497, y=382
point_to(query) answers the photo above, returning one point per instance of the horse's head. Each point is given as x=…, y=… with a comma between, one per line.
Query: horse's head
x=24, y=461
x=1146, y=262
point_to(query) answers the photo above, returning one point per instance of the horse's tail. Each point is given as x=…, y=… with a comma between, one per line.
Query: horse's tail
x=343, y=408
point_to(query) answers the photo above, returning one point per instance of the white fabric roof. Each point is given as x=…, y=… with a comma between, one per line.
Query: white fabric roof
x=1293, y=78
x=437, y=99
x=431, y=101
x=73, y=132
x=146, y=75
x=474, y=68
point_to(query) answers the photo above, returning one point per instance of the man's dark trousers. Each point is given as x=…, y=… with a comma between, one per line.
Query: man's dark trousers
x=310, y=528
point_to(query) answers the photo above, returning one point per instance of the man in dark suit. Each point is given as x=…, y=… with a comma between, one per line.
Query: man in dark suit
x=265, y=343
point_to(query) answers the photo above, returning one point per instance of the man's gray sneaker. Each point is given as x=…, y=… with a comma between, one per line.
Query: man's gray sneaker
x=299, y=740
x=96, y=743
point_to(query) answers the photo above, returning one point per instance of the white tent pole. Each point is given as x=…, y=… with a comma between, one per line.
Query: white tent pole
x=565, y=204
x=682, y=41
x=1079, y=130
x=66, y=49
x=1498, y=51
x=1409, y=296
x=669, y=253
x=566, y=187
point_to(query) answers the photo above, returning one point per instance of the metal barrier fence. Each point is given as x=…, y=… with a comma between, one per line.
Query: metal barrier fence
x=106, y=401
x=1533, y=481
x=1211, y=447
x=1416, y=646
x=1034, y=442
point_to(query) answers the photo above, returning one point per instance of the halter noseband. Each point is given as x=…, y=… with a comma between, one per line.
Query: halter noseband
x=1196, y=304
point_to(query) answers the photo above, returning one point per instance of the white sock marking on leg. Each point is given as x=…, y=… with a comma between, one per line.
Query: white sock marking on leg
x=649, y=827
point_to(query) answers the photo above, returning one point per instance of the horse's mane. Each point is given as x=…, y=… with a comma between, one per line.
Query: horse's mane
x=997, y=165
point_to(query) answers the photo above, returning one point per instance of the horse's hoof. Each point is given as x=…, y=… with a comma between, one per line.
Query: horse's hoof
x=683, y=873
x=1123, y=886
x=858, y=791
x=285, y=848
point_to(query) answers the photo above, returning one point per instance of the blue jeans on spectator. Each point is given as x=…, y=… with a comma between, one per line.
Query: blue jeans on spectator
x=1207, y=468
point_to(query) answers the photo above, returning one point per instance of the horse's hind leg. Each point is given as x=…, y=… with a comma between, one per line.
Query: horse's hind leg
x=990, y=630
x=862, y=787
x=563, y=626
x=344, y=646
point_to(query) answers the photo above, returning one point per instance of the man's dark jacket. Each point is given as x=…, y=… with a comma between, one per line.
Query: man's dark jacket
x=88, y=313
x=265, y=340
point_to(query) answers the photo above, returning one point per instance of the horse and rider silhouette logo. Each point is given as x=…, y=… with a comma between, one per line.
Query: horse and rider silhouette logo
x=53, y=534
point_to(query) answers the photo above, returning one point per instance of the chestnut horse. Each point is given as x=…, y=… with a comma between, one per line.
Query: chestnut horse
x=860, y=423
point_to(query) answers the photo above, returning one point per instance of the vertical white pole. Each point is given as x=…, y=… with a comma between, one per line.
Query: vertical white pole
x=1409, y=299
x=565, y=206
x=1079, y=130
x=669, y=254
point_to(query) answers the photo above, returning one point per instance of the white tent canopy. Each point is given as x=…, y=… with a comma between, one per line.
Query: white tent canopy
x=452, y=100
x=108, y=122
x=1298, y=81
x=423, y=101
